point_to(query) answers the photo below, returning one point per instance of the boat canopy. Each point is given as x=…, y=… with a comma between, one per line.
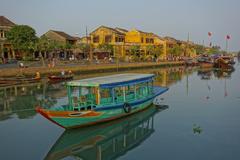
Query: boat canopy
x=112, y=80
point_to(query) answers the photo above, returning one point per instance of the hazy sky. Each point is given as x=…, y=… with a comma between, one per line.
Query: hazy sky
x=164, y=17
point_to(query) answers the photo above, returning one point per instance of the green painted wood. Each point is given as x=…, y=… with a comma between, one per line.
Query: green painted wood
x=75, y=121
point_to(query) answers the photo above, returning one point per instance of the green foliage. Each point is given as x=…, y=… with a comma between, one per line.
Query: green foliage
x=134, y=50
x=214, y=50
x=134, y=53
x=84, y=47
x=106, y=47
x=197, y=129
x=22, y=37
x=176, y=50
x=45, y=44
x=68, y=46
x=154, y=51
x=200, y=49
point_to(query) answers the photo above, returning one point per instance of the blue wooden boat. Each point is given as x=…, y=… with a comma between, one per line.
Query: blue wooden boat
x=102, y=99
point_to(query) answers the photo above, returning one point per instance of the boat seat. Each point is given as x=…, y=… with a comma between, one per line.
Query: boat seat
x=76, y=105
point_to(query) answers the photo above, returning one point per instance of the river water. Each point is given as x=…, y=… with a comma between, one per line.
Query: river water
x=200, y=119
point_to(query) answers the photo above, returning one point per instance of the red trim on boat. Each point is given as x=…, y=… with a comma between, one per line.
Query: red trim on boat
x=44, y=114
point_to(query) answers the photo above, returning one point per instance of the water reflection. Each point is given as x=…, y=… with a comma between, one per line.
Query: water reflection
x=22, y=99
x=105, y=141
x=209, y=73
x=223, y=73
x=205, y=74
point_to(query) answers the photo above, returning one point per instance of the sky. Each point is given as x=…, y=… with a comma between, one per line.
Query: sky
x=175, y=18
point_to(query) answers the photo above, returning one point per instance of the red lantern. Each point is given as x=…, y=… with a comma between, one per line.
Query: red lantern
x=209, y=34
x=228, y=37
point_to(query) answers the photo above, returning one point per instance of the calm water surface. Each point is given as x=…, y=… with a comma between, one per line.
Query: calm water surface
x=202, y=121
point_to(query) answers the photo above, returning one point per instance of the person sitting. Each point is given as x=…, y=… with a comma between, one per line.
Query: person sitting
x=37, y=76
x=21, y=65
x=70, y=72
x=62, y=73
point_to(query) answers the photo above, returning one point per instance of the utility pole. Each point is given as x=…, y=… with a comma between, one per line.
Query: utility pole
x=90, y=47
x=226, y=45
x=227, y=38
x=188, y=43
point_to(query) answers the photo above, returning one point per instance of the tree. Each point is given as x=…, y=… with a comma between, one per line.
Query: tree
x=135, y=52
x=23, y=38
x=214, y=50
x=84, y=47
x=154, y=51
x=106, y=47
x=176, y=50
x=43, y=47
x=200, y=49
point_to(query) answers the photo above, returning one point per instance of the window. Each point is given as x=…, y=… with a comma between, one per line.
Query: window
x=95, y=39
x=142, y=90
x=106, y=96
x=116, y=39
x=142, y=40
x=119, y=39
x=130, y=93
x=108, y=39
x=1, y=34
x=151, y=40
x=118, y=94
x=147, y=40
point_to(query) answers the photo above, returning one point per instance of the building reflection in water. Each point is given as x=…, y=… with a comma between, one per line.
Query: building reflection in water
x=172, y=75
x=107, y=140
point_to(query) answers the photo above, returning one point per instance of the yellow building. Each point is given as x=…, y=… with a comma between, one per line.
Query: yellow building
x=103, y=35
x=107, y=35
x=6, y=49
x=123, y=41
x=149, y=44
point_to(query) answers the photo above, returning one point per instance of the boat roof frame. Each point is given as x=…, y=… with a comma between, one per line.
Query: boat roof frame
x=112, y=80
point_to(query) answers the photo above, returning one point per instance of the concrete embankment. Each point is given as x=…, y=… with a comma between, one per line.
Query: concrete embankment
x=84, y=69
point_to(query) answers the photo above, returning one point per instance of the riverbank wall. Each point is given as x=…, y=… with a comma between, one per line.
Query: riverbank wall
x=85, y=69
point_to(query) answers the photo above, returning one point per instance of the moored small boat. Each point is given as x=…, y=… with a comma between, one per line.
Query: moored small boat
x=224, y=62
x=54, y=78
x=190, y=62
x=102, y=99
x=205, y=62
x=20, y=79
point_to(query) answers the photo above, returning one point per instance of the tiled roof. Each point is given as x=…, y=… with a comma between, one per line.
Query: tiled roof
x=6, y=22
x=65, y=35
x=121, y=30
x=155, y=35
x=170, y=39
x=112, y=29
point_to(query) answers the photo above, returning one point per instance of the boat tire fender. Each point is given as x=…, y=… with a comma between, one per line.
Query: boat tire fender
x=127, y=107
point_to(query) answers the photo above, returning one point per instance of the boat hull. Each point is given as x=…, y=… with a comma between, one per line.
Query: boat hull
x=55, y=79
x=222, y=64
x=206, y=64
x=76, y=119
